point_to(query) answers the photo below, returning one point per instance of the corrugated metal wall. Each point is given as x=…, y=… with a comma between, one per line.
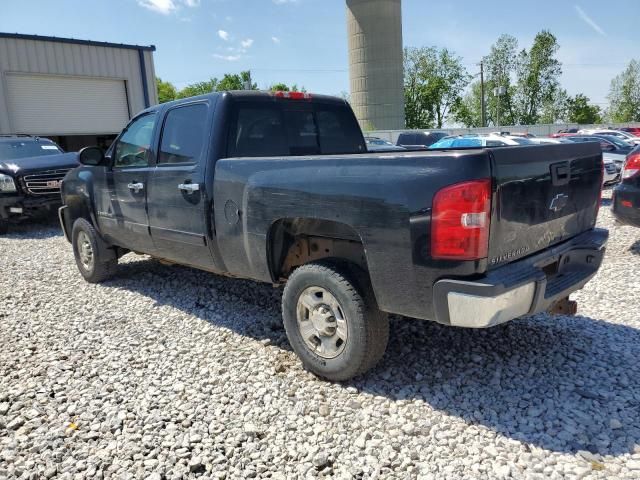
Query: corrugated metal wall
x=18, y=55
x=538, y=130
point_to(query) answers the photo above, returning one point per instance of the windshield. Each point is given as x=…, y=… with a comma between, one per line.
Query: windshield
x=618, y=142
x=457, y=142
x=377, y=141
x=521, y=140
x=13, y=150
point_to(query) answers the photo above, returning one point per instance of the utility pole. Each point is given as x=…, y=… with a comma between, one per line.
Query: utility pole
x=483, y=114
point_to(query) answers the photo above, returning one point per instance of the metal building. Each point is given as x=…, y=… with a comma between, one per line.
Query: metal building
x=374, y=29
x=76, y=92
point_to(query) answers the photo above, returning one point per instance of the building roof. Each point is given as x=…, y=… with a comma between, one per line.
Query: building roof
x=44, y=38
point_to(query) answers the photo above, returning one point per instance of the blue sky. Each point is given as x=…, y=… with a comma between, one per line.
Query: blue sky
x=304, y=41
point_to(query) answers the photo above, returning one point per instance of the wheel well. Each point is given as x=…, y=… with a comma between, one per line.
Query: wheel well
x=293, y=242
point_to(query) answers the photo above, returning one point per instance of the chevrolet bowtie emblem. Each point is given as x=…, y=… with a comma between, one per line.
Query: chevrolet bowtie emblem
x=559, y=202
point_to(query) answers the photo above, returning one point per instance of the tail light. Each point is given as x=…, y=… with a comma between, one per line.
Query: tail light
x=631, y=166
x=460, y=221
x=293, y=95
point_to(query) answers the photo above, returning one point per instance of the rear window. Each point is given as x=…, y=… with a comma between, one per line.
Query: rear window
x=406, y=139
x=12, y=150
x=272, y=130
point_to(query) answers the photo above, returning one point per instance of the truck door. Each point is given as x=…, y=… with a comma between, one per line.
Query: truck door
x=123, y=215
x=177, y=201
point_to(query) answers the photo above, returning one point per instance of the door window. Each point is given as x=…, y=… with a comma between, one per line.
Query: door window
x=132, y=148
x=183, y=135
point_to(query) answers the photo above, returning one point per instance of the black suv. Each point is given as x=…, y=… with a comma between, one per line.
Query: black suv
x=31, y=171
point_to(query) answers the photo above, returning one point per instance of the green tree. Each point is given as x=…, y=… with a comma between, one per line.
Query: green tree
x=283, y=87
x=434, y=80
x=166, y=91
x=468, y=111
x=230, y=81
x=579, y=111
x=537, y=72
x=199, y=88
x=235, y=82
x=555, y=109
x=500, y=65
x=624, y=95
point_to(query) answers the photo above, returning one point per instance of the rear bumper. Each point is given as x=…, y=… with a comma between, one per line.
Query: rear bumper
x=626, y=204
x=16, y=206
x=525, y=287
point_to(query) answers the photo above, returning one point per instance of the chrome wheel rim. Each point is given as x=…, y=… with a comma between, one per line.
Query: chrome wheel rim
x=85, y=250
x=321, y=322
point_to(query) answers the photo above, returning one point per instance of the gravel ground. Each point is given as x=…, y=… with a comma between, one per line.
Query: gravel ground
x=167, y=372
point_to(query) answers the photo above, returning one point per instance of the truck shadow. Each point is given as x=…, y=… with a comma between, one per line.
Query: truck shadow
x=39, y=228
x=635, y=248
x=561, y=383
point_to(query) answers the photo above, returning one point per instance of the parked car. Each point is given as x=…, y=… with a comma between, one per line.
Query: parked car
x=375, y=144
x=632, y=130
x=627, y=137
x=279, y=188
x=613, y=148
x=611, y=168
x=548, y=140
x=417, y=140
x=479, y=140
x=564, y=133
x=31, y=169
x=626, y=195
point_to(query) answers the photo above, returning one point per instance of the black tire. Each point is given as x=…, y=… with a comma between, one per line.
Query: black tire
x=105, y=261
x=367, y=326
x=4, y=227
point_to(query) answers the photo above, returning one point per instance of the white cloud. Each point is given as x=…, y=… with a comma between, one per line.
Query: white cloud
x=228, y=58
x=275, y=39
x=589, y=21
x=166, y=7
x=160, y=6
x=246, y=43
x=224, y=35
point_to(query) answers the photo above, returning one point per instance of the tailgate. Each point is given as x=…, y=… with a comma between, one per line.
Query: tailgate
x=545, y=194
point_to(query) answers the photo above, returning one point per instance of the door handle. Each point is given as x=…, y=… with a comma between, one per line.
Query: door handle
x=189, y=187
x=136, y=187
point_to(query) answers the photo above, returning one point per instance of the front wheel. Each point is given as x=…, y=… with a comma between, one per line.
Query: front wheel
x=332, y=320
x=95, y=262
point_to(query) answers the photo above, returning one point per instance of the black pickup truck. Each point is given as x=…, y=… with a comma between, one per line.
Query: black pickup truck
x=31, y=169
x=279, y=188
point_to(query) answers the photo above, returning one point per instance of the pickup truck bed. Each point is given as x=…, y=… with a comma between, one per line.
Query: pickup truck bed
x=279, y=191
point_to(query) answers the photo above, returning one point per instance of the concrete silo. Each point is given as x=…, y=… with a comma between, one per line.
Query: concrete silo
x=374, y=28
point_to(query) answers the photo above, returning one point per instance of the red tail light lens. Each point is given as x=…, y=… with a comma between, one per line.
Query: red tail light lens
x=460, y=221
x=293, y=95
x=631, y=166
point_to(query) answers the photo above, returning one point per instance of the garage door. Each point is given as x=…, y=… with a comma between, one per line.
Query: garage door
x=48, y=104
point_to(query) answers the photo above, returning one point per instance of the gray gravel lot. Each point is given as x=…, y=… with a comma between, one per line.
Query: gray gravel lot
x=168, y=372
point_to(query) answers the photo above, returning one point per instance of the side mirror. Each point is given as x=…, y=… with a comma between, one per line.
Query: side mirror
x=92, y=156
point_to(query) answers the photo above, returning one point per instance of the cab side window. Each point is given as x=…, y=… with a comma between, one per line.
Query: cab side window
x=132, y=148
x=183, y=135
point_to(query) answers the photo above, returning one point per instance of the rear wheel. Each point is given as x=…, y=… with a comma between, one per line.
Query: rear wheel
x=95, y=261
x=332, y=321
